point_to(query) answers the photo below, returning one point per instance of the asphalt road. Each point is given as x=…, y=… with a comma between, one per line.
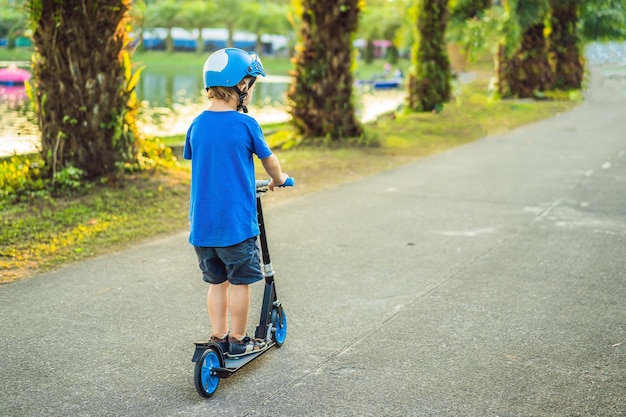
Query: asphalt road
x=485, y=281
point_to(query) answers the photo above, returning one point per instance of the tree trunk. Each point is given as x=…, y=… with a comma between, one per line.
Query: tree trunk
x=527, y=71
x=320, y=98
x=568, y=67
x=199, y=42
x=82, y=84
x=429, y=82
x=169, y=40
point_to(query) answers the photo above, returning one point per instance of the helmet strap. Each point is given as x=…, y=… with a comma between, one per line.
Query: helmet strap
x=243, y=96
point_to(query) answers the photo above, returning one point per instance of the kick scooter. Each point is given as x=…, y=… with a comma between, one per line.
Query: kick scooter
x=212, y=360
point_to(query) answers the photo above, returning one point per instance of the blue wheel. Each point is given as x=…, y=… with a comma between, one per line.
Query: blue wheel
x=206, y=381
x=279, y=324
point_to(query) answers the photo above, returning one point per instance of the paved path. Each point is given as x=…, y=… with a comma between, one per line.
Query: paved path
x=485, y=281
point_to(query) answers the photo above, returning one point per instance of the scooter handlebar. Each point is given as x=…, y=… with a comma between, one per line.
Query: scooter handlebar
x=289, y=182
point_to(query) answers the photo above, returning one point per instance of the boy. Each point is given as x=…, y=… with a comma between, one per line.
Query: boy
x=221, y=143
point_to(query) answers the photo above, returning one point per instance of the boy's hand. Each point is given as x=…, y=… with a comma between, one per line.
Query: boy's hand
x=273, y=183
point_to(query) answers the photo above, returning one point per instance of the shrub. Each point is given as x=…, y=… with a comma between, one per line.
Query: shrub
x=20, y=176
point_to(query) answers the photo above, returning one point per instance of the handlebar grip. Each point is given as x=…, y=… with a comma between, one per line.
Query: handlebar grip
x=289, y=182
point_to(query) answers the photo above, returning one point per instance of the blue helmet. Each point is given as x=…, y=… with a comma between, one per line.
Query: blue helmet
x=228, y=66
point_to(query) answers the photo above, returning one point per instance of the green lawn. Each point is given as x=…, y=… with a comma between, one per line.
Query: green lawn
x=16, y=54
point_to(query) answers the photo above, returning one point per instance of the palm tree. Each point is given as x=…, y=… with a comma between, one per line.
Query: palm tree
x=563, y=46
x=471, y=26
x=229, y=14
x=320, y=97
x=429, y=78
x=82, y=84
x=198, y=15
x=523, y=67
x=163, y=13
x=12, y=21
x=603, y=19
x=467, y=9
x=265, y=18
x=381, y=22
x=137, y=18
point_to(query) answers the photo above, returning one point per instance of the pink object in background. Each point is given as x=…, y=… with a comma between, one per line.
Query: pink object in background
x=12, y=93
x=13, y=75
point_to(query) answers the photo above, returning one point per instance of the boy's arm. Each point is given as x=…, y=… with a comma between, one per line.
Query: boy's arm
x=272, y=167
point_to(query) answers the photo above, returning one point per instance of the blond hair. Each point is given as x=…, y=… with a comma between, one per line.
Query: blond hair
x=225, y=93
x=222, y=93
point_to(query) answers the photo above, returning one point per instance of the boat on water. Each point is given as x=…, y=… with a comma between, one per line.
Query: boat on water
x=12, y=75
x=381, y=83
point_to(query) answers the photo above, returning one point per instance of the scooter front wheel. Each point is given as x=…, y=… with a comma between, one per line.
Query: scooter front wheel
x=279, y=324
x=204, y=377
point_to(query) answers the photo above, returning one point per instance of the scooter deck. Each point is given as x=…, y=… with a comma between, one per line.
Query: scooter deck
x=231, y=363
x=235, y=361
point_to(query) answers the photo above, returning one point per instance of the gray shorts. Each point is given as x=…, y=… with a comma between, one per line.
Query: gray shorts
x=239, y=264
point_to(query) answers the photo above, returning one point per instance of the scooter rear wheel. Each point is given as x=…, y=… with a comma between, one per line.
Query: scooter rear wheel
x=279, y=324
x=206, y=381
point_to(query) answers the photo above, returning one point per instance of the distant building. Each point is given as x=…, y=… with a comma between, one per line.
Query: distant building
x=213, y=39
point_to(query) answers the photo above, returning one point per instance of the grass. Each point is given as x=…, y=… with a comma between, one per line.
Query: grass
x=15, y=54
x=407, y=137
x=45, y=233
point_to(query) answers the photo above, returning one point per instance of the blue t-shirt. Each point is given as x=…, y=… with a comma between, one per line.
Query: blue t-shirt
x=222, y=209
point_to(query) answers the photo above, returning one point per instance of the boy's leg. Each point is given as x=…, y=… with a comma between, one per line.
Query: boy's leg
x=239, y=309
x=217, y=303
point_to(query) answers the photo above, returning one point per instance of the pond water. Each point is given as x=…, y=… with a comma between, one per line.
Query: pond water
x=169, y=104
